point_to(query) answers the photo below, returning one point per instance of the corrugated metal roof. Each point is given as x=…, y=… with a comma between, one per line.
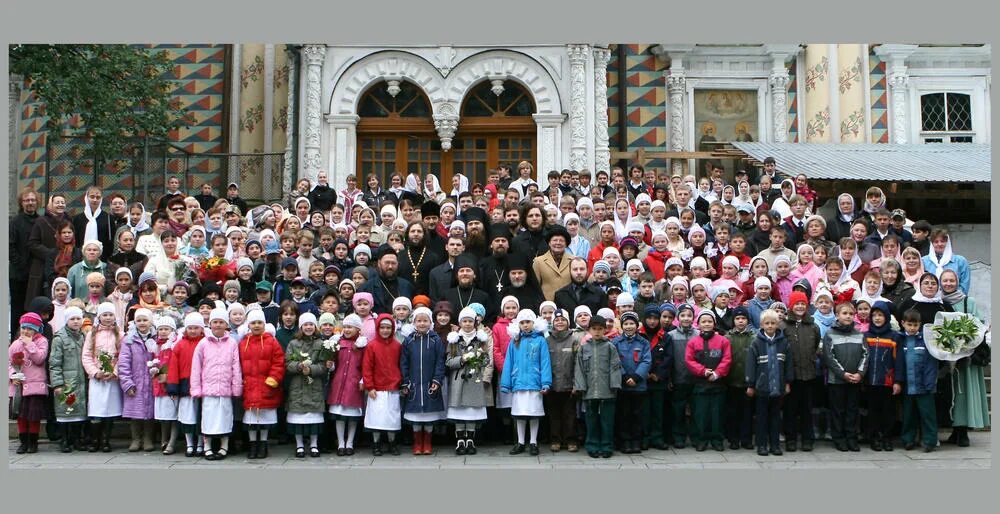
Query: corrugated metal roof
x=909, y=163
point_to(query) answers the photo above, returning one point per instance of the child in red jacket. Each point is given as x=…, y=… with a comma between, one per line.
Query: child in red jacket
x=179, y=382
x=164, y=406
x=382, y=377
x=263, y=365
x=708, y=356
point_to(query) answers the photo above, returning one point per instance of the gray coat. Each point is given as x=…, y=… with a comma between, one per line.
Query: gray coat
x=844, y=351
x=66, y=371
x=463, y=389
x=678, y=345
x=563, y=347
x=598, y=371
x=301, y=396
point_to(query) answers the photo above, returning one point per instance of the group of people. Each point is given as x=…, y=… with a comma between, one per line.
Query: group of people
x=628, y=310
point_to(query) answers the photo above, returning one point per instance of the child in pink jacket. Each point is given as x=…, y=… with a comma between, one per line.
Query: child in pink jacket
x=100, y=361
x=216, y=377
x=27, y=370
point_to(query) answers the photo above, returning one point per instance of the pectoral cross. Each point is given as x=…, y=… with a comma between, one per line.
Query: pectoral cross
x=499, y=287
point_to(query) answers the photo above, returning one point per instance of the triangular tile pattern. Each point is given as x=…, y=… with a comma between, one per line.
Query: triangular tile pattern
x=645, y=100
x=614, y=99
x=793, y=109
x=879, y=93
x=198, y=71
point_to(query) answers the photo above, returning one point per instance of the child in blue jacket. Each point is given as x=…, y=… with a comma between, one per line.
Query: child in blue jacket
x=769, y=374
x=883, y=348
x=634, y=351
x=527, y=373
x=916, y=377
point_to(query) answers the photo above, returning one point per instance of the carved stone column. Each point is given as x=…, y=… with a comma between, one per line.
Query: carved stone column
x=578, y=55
x=311, y=161
x=342, y=137
x=549, y=143
x=676, y=87
x=446, y=123
x=290, y=138
x=14, y=108
x=778, y=82
x=602, y=152
x=899, y=82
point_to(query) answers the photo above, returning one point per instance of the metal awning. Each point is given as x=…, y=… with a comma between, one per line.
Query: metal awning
x=957, y=162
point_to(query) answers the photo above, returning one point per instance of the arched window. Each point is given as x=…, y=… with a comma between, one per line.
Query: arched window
x=396, y=133
x=494, y=129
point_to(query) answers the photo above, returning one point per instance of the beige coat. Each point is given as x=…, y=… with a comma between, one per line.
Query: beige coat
x=552, y=277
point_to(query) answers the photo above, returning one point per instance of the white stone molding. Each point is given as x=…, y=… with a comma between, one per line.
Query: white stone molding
x=602, y=152
x=578, y=105
x=508, y=65
x=343, y=140
x=232, y=175
x=445, y=58
x=778, y=80
x=311, y=160
x=380, y=67
x=290, y=139
x=549, y=143
x=446, y=123
x=899, y=82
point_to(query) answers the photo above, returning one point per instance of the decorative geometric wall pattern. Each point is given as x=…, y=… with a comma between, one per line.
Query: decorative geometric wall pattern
x=793, y=107
x=645, y=101
x=614, y=138
x=199, y=73
x=880, y=123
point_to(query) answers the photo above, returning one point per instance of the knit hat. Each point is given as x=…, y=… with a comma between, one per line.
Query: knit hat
x=193, y=319
x=694, y=230
x=547, y=303
x=255, y=315
x=243, y=261
x=718, y=290
x=93, y=242
x=231, y=284
x=105, y=307
x=630, y=315
x=598, y=321
x=580, y=309
x=478, y=308
x=624, y=299
x=651, y=311
x=731, y=260
x=673, y=261
x=606, y=313
x=333, y=268
x=123, y=271
x=423, y=311
x=668, y=307
x=628, y=241
x=327, y=319
x=348, y=282
x=218, y=314
x=657, y=203
x=634, y=226
x=506, y=299
x=353, y=320
x=525, y=315
x=73, y=312
x=685, y=306
x=32, y=321
x=584, y=201
x=635, y=263
x=699, y=262
x=362, y=296
x=658, y=234
x=824, y=292
x=703, y=282
x=643, y=198
x=419, y=300
x=307, y=317
x=572, y=216
x=95, y=277
x=362, y=248
x=445, y=306
x=143, y=313
x=705, y=312
x=741, y=311
x=611, y=250
x=796, y=297
x=781, y=258
x=679, y=279
x=146, y=276
x=761, y=282
x=602, y=265
x=456, y=224
x=467, y=313
x=402, y=300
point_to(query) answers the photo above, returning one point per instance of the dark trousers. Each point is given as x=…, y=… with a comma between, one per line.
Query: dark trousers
x=844, y=411
x=18, y=293
x=706, y=409
x=560, y=409
x=739, y=415
x=600, y=420
x=629, y=416
x=881, y=412
x=680, y=399
x=768, y=421
x=652, y=415
x=798, y=405
x=919, y=409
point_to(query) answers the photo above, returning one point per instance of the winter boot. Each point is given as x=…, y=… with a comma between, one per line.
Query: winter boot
x=963, y=436
x=148, y=426
x=262, y=449
x=96, y=434
x=135, y=427
x=418, y=443
x=79, y=431
x=23, y=447
x=66, y=444
x=106, y=432
x=252, y=449
x=460, y=445
x=428, y=436
x=33, y=443
x=470, y=443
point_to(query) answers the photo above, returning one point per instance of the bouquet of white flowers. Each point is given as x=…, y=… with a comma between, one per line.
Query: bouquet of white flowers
x=953, y=335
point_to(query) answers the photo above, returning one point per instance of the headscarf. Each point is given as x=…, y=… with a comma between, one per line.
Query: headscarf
x=868, y=206
x=141, y=226
x=944, y=260
x=849, y=217
x=411, y=184
x=723, y=198
x=463, y=186
x=919, y=297
x=64, y=256
x=621, y=226
x=912, y=278
x=955, y=296
x=494, y=197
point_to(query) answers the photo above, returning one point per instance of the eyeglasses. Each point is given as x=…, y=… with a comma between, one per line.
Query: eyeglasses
x=176, y=209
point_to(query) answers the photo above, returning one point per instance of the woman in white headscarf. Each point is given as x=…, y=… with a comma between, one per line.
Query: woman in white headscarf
x=782, y=204
x=622, y=216
x=432, y=189
x=460, y=184
x=743, y=196
x=412, y=183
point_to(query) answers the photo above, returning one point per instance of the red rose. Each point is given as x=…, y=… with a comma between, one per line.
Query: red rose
x=70, y=399
x=17, y=358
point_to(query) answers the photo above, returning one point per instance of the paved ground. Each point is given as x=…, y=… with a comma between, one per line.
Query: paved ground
x=976, y=456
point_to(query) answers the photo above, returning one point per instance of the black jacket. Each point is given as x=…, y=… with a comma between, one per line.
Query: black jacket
x=493, y=271
x=322, y=198
x=837, y=228
x=757, y=367
x=440, y=281
x=385, y=292
x=460, y=298
x=373, y=199
x=700, y=217
x=529, y=243
x=206, y=202
x=590, y=295
x=105, y=232
x=20, y=229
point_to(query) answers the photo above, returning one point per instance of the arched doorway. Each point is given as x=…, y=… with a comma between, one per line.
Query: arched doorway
x=494, y=129
x=396, y=133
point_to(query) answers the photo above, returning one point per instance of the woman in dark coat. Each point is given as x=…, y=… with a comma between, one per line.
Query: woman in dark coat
x=42, y=242
x=125, y=256
x=894, y=288
x=530, y=241
x=760, y=239
x=374, y=194
x=927, y=301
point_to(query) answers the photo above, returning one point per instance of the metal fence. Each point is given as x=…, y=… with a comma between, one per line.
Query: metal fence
x=141, y=171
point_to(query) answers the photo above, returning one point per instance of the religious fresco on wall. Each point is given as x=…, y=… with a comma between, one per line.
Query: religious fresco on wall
x=723, y=115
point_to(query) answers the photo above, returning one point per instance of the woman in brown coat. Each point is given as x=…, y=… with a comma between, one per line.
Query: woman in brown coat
x=42, y=243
